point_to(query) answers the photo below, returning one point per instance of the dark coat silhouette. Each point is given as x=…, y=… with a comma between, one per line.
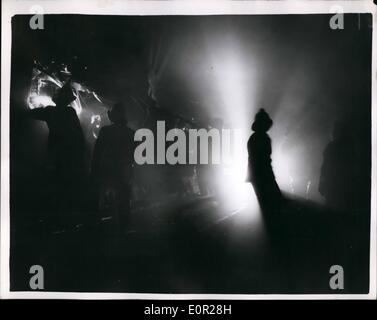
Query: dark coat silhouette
x=113, y=155
x=338, y=171
x=66, y=148
x=112, y=164
x=65, y=140
x=260, y=172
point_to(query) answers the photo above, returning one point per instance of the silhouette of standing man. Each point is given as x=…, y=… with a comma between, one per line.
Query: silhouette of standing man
x=112, y=163
x=338, y=171
x=65, y=148
x=260, y=172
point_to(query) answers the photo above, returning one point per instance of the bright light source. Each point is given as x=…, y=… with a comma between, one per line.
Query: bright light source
x=233, y=79
x=36, y=101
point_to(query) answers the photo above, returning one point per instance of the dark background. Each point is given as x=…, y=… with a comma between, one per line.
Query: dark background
x=306, y=75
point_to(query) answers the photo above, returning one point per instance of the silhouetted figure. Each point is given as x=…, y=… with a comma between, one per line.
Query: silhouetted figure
x=260, y=172
x=112, y=164
x=338, y=176
x=66, y=148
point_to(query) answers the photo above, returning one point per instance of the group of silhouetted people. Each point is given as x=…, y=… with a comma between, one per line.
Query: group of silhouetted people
x=338, y=171
x=112, y=160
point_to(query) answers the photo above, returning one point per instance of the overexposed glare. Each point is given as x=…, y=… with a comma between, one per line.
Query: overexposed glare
x=233, y=84
x=282, y=166
x=39, y=101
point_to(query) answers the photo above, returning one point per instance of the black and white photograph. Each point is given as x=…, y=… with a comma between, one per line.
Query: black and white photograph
x=189, y=154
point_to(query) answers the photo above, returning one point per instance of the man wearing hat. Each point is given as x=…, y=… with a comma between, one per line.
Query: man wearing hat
x=260, y=172
x=66, y=147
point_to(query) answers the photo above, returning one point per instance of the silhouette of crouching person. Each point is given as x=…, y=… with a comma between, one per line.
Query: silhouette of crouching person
x=260, y=172
x=112, y=166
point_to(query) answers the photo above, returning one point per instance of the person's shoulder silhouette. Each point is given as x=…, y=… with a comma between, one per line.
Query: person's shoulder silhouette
x=114, y=148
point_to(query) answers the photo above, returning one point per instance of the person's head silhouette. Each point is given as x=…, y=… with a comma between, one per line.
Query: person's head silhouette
x=64, y=96
x=262, y=121
x=118, y=113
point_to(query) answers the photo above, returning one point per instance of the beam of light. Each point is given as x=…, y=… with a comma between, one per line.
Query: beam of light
x=233, y=78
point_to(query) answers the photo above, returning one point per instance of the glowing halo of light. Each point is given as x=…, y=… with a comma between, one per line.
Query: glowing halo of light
x=232, y=80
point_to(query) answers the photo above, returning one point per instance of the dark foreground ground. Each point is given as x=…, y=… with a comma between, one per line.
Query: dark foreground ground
x=195, y=245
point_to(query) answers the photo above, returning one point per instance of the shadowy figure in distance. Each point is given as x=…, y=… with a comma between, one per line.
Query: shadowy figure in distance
x=260, y=172
x=338, y=172
x=112, y=165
